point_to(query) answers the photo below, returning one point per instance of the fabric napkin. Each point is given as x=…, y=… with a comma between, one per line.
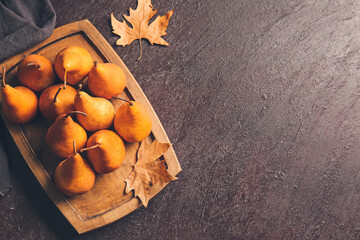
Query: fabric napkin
x=23, y=23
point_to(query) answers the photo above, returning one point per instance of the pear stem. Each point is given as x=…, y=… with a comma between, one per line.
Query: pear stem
x=95, y=63
x=123, y=99
x=79, y=87
x=33, y=64
x=65, y=75
x=57, y=93
x=140, y=50
x=74, y=147
x=89, y=148
x=75, y=112
x=3, y=77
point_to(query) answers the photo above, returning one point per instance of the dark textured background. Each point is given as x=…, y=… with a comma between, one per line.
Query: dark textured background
x=261, y=102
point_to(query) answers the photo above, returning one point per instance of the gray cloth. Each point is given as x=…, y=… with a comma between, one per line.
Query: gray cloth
x=23, y=23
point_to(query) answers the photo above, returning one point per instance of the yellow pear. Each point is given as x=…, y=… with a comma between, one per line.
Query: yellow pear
x=59, y=137
x=74, y=175
x=100, y=111
x=106, y=80
x=132, y=122
x=105, y=151
x=73, y=64
x=19, y=104
x=36, y=72
x=56, y=100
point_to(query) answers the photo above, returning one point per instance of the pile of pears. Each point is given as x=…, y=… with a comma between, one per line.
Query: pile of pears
x=77, y=114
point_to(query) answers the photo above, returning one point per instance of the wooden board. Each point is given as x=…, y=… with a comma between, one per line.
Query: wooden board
x=107, y=201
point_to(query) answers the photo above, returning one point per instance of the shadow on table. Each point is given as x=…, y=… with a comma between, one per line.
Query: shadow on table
x=33, y=191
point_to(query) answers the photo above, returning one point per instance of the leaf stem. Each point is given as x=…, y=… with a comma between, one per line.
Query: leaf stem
x=89, y=148
x=140, y=50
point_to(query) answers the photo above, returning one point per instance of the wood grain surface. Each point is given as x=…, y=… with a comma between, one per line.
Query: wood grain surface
x=261, y=102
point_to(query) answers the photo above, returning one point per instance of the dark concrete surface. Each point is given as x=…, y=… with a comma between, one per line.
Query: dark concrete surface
x=261, y=102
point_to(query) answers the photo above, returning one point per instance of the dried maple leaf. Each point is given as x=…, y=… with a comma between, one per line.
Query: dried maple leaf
x=149, y=171
x=139, y=20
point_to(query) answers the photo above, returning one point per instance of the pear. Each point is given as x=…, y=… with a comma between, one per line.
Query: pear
x=105, y=151
x=132, y=122
x=19, y=104
x=100, y=112
x=36, y=72
x=74, y=175
x=106, y=80
x=56, y=100
x=72, y=64
x=59, y=137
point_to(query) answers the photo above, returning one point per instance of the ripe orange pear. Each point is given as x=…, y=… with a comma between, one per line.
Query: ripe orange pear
x=105, y=151
x=74, y=175
x=19, y=104
x=55, y=100
x=106, y=80
x=100, y=112
x=59, y=137
x=73, y=64
x=132, y=122
x=36, y=72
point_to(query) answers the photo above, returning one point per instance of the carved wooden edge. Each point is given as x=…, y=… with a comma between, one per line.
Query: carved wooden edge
x=80, y=225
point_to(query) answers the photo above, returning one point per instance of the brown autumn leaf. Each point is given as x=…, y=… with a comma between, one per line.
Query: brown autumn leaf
x=139, y=20
x=149, y=172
